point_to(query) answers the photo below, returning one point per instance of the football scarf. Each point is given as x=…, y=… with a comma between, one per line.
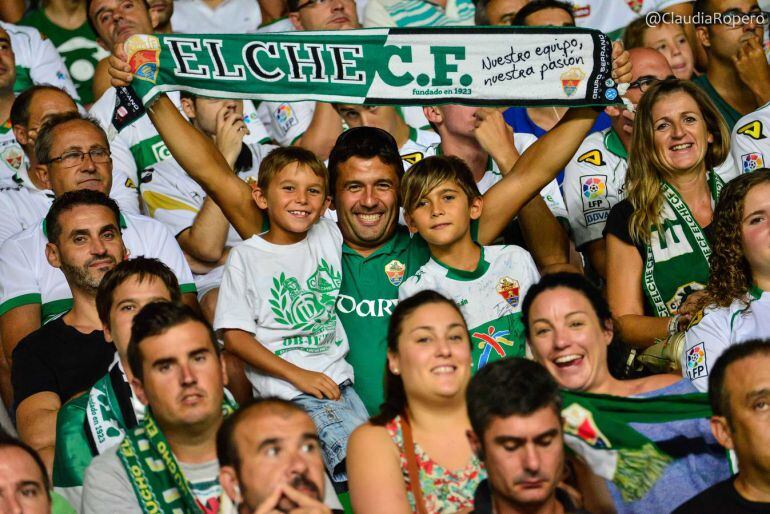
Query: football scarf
x=426, y=66
x=598, y=427
x=157, y=478
x=677, y=263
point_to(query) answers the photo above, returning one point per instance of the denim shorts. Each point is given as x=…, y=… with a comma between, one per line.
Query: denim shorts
x=335, y=420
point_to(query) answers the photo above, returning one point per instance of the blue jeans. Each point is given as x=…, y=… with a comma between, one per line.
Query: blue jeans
x=335, y=420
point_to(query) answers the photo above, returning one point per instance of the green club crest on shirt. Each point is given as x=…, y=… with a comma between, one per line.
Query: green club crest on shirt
x=309, y=309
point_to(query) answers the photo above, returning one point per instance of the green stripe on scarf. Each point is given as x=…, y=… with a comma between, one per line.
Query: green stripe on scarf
x=598, y=428
x=677, y=263
x=157, y=479
x=480, y=66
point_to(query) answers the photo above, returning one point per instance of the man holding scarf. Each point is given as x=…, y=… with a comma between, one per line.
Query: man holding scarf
x=169, y=462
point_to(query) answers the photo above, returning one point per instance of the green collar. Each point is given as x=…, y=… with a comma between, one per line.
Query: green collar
x=121, y=221
x=412, y=134
x=401, y=236
x=459, y=274
x=613, y=143
x=755, y=291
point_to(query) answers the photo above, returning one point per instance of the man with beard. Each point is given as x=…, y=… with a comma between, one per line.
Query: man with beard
x=67, y=355
x=286, y=471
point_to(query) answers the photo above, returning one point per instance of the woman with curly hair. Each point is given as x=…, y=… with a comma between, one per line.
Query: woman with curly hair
x=736, y=304
x=658, y=238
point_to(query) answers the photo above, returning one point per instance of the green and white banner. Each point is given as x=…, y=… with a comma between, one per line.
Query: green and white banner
x=475, y=66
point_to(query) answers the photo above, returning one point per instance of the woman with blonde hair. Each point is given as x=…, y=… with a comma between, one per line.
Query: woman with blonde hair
x=658, y=238
x=736, y=301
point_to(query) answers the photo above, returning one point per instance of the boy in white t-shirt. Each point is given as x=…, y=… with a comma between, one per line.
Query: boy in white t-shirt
x=280, y=288
x=488, y=283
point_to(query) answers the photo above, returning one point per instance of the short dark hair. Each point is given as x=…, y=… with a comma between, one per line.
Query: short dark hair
x=541, y=5
x=8, y=441
x=20, y=107
x=72, y=199
x=365, y=143
x=156, y=319
x=293, y=5
x=44, y=140
x=699, y=9
x=227, y=448
x=510, y=387
x=718, y=396
x=143, y=268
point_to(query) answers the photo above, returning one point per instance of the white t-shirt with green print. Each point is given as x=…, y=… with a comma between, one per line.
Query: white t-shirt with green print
x=285, y=296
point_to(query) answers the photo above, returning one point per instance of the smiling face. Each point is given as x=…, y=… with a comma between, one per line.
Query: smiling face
x=524, y=457
x=295, y=198
x=183, y=377
x=434, y=353
x=567, y=337
x=755, y=230
x=669, y=39
x=443, y=216
x=680, y=134
x=366, y=202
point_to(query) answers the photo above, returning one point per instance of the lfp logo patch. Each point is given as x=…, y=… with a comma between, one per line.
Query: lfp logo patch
x=594, y=187
x=395, y=272
x=752, y=162
x=144, y=52
x=696, y=362
x=508, y=288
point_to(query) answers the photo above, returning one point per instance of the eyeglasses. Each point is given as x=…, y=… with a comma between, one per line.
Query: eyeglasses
x=75, y=157
x=735, y=18
x=313, y=3
x=643, y=83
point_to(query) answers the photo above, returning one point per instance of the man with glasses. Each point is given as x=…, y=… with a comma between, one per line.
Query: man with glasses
x=73, y=154
x=737, y=76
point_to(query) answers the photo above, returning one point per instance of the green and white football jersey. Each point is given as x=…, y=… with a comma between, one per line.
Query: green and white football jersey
x=418, y=13
x=37, y=61
x=285, y=296
x=78, y=49
x=12, y=157
x=721, y=327
x=228, y=17
x=139, y=146
x=28, y=278
x=172, y=197
x=417, y=146
x=489, y=297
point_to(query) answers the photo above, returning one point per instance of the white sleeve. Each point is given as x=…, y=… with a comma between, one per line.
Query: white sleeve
x=106, y=487
x=376, y=15
x=10, y=217
x=47, y=66
x=257, y=131
x=168, y=251
x=704, y=343
x=18, y=277
x=531, y=268
x=237, y=305
x=748, y=152
x=554, y=200
x=286, y=121
x=408, y=288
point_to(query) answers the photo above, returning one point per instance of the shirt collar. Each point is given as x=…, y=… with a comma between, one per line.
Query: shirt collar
x=613, y=143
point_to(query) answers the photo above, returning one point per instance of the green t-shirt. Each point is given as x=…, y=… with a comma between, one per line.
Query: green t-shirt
x=368, y=294
x=730, y=115
x=78, y=49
